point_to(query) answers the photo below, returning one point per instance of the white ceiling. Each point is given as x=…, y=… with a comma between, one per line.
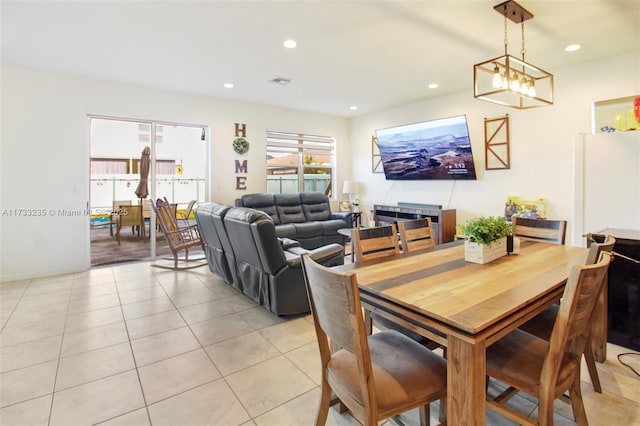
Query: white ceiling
x=373, y=54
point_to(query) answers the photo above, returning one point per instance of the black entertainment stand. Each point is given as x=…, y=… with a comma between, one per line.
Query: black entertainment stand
x=442, y=220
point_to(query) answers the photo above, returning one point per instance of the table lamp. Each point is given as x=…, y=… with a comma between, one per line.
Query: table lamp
x=350, y=187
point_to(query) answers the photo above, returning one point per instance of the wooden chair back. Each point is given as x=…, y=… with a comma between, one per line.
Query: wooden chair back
x=571, y=327
x=128, y=215
x=146, y=209
x=115, y=212
x=416, y=234
x=334, y=299
x=118, y=203
x=179, y=238
x=544, y=230
x=185, y=217
x=167, y=219
x=375, y=243
x=596, y=248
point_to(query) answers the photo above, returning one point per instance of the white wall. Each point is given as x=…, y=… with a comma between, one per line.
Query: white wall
x=44, y=157
x=607, y=182
x=541, y=144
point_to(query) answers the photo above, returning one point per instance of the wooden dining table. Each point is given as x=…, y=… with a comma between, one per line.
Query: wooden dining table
x=465, y=306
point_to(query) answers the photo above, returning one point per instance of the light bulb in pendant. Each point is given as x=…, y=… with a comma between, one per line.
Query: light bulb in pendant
x=515, y=83
x=524, y=86
x=532, y=89
x=497, y=78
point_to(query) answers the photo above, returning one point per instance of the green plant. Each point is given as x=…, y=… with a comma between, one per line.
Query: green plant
x=485, y=230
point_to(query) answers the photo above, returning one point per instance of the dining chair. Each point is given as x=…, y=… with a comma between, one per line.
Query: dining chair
x=546, y=369
x=376, y=376
x=416, y=234
x=542, y=324
x=378, y=243
x=544, y=230
x=375, y=243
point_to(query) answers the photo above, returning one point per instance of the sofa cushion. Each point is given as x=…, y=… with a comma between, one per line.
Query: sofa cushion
x=286, y=230
x=315, y=206
x=264, y=202
x=289, y=208
x=330, y=227
x=308, y=230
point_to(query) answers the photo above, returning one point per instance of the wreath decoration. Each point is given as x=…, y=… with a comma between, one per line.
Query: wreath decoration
x=241, y=145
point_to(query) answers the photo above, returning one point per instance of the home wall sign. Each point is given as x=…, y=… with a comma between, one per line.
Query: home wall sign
x=496, y=143
x=241, y=147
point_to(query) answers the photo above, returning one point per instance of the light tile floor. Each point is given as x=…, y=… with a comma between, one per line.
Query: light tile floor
x=136, y=345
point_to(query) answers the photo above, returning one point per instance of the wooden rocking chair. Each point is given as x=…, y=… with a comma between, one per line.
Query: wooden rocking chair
x=179, y=238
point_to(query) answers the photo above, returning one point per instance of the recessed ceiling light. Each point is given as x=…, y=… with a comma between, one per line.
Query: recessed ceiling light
x=290, y=44
x=433, y=86
x=572, y=48
x=353, y=107
x=228, y=85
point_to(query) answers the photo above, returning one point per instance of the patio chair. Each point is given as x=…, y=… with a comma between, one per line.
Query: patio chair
x=185, y=216
x=113, y=217
x=128, y=215
x=179, y=238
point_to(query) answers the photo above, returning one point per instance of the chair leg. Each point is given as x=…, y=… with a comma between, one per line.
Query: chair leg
x=591, y=366
x=442, y=411
x=425, y=415
x=325, y=402
x=545, y=410
x=575, y=394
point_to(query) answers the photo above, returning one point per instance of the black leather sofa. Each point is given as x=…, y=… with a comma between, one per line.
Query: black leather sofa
x=305, y=217
x=243, y=249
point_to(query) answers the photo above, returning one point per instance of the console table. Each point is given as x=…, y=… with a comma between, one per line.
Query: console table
x=443, y=221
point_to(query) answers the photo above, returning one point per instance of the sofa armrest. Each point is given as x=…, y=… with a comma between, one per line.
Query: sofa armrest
x=329, y=255
x=288, y=243
x=346, y=216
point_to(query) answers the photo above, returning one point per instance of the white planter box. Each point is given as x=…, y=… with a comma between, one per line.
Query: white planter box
x=483, y=253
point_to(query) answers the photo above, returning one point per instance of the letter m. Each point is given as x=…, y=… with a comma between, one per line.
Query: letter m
x=241, y=167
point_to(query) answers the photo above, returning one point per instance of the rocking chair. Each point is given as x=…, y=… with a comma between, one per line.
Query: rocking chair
x=179, y=238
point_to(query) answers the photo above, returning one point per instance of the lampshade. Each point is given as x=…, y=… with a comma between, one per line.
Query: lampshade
x=507, y=80
x=350, y=187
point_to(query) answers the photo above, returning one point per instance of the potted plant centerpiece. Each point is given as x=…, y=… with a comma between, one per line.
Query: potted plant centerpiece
x=485, y=238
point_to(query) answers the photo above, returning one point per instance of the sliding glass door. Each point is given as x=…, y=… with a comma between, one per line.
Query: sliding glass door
x=133, y=162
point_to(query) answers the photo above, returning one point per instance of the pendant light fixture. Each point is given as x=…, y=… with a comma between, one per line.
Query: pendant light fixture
x=507, y=80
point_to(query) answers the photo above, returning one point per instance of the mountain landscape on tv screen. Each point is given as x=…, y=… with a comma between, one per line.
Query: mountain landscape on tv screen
x=438, y=152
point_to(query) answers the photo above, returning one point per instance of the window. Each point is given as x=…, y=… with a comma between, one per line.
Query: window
x=144, y=133
x=298, y=162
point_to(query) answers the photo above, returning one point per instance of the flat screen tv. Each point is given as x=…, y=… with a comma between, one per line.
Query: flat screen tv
x=435, y=149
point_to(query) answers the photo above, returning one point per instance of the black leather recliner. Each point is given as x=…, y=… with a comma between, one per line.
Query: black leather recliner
x=267, y=268
x=220, y=256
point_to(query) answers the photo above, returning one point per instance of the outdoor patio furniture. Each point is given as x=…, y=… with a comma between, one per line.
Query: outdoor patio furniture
x=179, y=238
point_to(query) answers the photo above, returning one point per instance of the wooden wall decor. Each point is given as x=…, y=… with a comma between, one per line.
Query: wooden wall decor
x=496, y=143
x=376, y=159
x=241, y=147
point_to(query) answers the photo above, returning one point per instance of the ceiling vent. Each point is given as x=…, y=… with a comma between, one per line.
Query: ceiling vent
x=281, y=81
